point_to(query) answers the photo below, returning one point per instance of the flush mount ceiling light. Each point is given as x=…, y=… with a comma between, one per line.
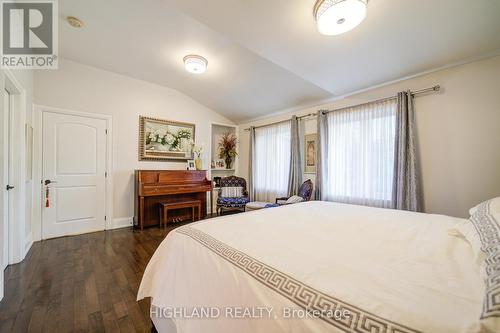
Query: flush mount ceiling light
x=74, y=22
x=334, y=17
x=195, y=64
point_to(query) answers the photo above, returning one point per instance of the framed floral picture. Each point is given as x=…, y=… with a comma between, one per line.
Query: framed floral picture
x=165, y=140
x=310, y=153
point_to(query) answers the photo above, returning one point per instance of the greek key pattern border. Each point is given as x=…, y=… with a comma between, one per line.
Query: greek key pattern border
x=488, y=229
x=306, y=297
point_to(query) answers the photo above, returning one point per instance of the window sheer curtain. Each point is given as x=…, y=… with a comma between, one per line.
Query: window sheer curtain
x=271, y=161
x=357, y=154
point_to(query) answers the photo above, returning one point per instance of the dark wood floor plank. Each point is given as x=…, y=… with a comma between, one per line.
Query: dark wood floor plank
x=6, y=325
x=85, y=283
x=96, y=322
x=110, y=322
x=80, y=308
x=66, y=323
x=126, y=325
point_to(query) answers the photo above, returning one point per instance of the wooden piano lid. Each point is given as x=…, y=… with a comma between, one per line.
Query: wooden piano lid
x=172, y=176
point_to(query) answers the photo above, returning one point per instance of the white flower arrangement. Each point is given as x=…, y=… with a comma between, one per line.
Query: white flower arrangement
x=197, y=150
x=176, y=142
x=169, y=139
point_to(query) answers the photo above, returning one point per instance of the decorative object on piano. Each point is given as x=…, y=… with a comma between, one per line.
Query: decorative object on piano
x=197, y=150
x=191, y=165
x=217, y=181
x=227, y=148
x=310, y=153
x=220, y=164
x=165, y=139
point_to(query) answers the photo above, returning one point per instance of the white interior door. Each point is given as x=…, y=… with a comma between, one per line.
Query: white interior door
x=74, y=167
x=4, y=174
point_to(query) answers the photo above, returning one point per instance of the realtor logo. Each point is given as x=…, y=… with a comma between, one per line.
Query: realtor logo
x=29, y=34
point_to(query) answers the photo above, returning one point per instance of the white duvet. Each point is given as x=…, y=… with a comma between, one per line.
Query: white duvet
x=393, y=271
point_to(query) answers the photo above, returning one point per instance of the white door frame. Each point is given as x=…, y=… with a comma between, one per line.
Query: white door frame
x=17, y=197
x=38, y=111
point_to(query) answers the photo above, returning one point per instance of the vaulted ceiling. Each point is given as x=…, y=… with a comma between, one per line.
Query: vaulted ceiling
x=266, y=55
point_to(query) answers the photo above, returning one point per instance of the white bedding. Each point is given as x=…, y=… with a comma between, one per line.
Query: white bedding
x=395, y=271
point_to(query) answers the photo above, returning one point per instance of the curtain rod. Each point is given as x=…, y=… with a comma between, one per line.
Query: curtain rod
x=414, y=93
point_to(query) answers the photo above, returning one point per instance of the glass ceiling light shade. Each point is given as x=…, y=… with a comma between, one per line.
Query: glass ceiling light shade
x=334, y=17
x=195, y=64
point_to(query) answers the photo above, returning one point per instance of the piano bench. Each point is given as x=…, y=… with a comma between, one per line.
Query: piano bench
x=166, y=206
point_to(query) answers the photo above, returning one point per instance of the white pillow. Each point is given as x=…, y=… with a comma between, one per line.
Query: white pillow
x=483, y=233
x=467, y=230
x=294, y=199
x=495, y=206
x=232, y=192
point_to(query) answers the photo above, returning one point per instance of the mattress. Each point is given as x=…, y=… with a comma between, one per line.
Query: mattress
x=316, y=267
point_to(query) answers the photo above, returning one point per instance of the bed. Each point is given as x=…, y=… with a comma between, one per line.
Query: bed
x=315, y=267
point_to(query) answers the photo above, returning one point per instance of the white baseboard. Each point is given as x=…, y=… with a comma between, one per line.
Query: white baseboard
x=27, y=245
x=121, y=222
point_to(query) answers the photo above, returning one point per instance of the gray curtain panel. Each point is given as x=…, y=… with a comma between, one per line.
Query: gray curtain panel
x=295, y=175
x=406, y=188
x=321, y=156
x=251, y=159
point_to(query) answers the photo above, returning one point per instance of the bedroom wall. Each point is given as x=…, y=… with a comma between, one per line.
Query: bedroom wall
x=458, y=134
x=82, y=88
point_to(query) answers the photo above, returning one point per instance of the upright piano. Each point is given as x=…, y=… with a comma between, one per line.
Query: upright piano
x=155, y=186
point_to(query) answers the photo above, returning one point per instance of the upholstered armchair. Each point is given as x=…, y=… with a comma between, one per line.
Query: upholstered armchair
x=305, y=192
x=232, y=194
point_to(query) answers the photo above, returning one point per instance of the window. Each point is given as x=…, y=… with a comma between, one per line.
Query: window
x=360, y=149
x=271, y=164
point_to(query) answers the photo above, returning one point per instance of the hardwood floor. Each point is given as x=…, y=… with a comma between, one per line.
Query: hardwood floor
x=85, y=283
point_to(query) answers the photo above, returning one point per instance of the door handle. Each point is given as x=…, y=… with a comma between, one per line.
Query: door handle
x=8, y=187
x=48, y=181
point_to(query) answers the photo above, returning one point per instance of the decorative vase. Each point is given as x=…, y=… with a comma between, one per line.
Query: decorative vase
x=197, y=163
x=229, y=161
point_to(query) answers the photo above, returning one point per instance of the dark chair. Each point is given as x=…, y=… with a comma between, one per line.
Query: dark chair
x=305, y=192
x=229, y=202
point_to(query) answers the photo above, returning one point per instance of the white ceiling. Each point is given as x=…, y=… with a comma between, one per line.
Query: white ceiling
x=266, y=55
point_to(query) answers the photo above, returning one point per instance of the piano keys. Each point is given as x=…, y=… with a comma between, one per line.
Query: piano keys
x=155, y=186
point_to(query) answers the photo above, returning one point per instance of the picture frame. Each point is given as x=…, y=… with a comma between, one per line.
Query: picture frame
x=191, y=165
x=165, y=140
x=217, y=182
x=310, y=145
x=220, y=164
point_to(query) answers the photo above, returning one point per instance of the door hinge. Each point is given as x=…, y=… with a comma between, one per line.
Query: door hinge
x=105, y=174
x=106, y=131
x=105, y=217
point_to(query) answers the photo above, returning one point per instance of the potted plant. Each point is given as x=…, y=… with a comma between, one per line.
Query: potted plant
x=227, y=148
